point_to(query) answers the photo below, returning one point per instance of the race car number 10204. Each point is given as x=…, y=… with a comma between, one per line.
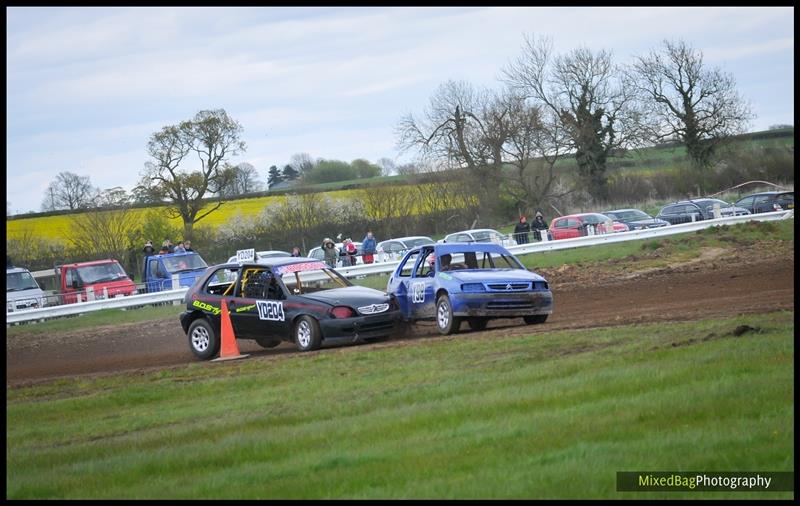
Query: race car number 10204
x=270, y=310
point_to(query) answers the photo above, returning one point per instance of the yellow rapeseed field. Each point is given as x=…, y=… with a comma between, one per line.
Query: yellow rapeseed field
x=57, y=228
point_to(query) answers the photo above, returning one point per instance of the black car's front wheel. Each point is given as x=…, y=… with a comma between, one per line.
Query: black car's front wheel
x=203, y=340
x=445, y=321
x=307, y=334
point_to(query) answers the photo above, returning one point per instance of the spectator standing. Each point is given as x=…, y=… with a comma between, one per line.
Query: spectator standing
x=164, y=247
x=538, y=225
x=187, y=244
x=148, y=249
x=180, y=248
x=368, y=246
x=349, y=250
x=329, y=250
x=295, y=251
x=521, y=230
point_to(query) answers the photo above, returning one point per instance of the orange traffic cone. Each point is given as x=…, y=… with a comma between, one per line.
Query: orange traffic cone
x=229, y=350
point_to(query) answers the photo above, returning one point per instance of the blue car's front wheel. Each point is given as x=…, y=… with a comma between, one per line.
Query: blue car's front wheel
x=445, y=321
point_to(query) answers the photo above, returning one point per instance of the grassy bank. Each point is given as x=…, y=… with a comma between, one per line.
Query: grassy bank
x=549, y=415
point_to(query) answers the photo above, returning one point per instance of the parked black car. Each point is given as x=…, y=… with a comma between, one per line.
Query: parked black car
x=635, y=219
x=687, y=211
x=300, y=300
x=767, y=202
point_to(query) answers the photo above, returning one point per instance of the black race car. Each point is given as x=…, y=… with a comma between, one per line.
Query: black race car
x=271, y=300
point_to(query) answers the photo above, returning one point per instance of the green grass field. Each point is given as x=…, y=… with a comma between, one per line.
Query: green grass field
x=546, y=415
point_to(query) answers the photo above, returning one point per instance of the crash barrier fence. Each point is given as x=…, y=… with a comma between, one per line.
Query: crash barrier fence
x=176, y=295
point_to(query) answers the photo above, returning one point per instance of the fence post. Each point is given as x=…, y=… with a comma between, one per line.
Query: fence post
x=90, y=293
x=105, y=292
x=717, y=211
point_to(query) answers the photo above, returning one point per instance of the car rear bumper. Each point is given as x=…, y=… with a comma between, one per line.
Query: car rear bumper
x=359, y=328
x=498, y=304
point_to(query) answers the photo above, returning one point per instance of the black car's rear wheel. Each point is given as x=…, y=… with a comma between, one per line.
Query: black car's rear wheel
x=539, y=318
x=307, y=334
x=203, y=341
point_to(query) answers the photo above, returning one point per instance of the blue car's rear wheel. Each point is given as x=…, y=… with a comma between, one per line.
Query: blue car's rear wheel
x=445, y=321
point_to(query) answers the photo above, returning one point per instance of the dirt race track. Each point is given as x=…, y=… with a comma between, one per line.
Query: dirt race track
x=721, y=283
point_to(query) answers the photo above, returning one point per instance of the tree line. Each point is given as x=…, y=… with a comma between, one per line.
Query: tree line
x=579, y=104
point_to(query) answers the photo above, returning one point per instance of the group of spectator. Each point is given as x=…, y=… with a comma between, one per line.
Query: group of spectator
x=349, y=251
x=167, y=247
x=523, y=227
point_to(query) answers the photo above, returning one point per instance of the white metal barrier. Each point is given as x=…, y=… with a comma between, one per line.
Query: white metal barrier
x=386, y=267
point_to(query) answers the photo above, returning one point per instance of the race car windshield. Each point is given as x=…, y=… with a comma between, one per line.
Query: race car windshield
x=314, y=279
x=478, y=260
x=18, y=281
x=99, y=273
x=184, y=263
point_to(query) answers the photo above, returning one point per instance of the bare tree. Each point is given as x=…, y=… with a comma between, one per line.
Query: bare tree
x=688, y=101
x=113, y=197
x=387, y=165
x=587, y=94
x=243, y=179
x=461, y=128
x=98, y=232
x=303, y=163
x=213, y=136
x=536, y=141
x=69, y=191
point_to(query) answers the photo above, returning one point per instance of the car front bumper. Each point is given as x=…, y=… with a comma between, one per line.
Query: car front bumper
x=499, y=305
x=361, y=327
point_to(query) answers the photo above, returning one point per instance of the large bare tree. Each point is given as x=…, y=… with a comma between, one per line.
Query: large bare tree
x=213, y=136
x=687, y=100
x=587, y=94
x=69, y=191
x=536, y=141
x=462, y=128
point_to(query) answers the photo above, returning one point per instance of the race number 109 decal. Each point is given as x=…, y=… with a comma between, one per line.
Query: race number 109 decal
x=270, y=310
x=418, y=293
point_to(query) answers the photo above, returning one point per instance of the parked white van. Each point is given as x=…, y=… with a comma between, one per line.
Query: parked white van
x=22, y=290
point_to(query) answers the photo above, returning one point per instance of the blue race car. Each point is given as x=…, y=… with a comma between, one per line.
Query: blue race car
x=476, y=282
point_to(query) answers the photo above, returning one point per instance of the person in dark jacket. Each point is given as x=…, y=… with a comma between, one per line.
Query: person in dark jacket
x=521, y=230
x=538, y=225
x=148, y=249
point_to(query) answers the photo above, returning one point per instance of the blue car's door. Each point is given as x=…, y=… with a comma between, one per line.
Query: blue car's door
x=421, y=289
x=400, y=282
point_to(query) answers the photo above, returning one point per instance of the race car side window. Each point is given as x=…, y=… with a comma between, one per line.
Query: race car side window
x=425, y=268
x=408, y=265
x=219, y=282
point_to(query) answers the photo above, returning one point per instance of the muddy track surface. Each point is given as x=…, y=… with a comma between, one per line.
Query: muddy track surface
x=738, y=282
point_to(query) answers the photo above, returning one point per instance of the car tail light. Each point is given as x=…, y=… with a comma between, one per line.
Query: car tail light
x=342, y=312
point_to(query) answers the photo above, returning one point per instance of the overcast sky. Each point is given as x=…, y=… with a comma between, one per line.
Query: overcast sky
x=87, y=86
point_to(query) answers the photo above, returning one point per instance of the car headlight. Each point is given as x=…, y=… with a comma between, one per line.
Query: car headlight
x=473, y=287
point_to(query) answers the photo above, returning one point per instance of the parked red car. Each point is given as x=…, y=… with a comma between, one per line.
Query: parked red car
x=579, y=225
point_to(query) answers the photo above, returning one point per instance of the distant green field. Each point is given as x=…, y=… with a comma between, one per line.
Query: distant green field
x=548, y=415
